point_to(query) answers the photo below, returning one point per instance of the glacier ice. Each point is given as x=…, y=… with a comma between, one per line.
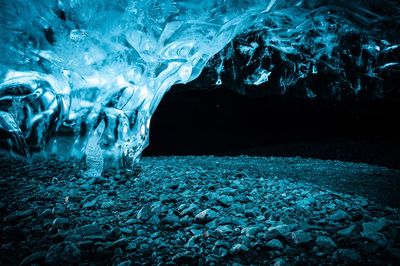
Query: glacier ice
x=84, y=77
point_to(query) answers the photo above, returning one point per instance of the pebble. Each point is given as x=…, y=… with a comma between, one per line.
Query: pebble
x=194, y=218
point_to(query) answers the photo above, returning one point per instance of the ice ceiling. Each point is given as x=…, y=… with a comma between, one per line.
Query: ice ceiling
x=83, y=77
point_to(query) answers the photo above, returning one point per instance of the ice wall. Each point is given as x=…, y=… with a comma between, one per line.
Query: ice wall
x=83, y=77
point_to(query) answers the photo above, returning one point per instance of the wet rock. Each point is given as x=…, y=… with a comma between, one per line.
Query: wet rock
x=154, y=220
x=144, y=214
x=347, y=232
x=89, y=229
x=300, y=237
x=239, y=248
x=374, y=226
x=225, y=200
x=250, y=213
x=281, y=229
x=90, y=204
x=189, y=210
x=183, y=258
x=339, y=215
x=325, y=242
x=224, y=229
x=125, y=263
x=280, y=262
x=251, y=231
x=206, y=216
x=171, y=219
x=275, y=244
x=63, y=253
x=18, y=215
x=37, y=257
x=347, y=256
x=376, y=237
x=60, y=222
x=107, y=204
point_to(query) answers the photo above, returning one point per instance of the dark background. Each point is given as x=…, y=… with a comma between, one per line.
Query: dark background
x=222, y=122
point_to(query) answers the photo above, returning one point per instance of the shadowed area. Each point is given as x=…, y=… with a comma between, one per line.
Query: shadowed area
x=222, y=122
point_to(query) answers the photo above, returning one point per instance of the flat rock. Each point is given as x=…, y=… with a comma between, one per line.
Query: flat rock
x=18, y=215
x=376, y=237
x=144, y=214
x=325, y=242
x=239, y=248
x=374, y=226
x=300, y=237
x=339, y=215
x=275, y=244
x=347, y=232
x=63, y=253
x=347, y=256
x=37, y=257
x=224, y=229
x=206, y=216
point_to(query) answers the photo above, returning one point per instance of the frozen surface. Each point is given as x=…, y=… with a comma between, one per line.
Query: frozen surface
x=222, y=210
x=68, y=67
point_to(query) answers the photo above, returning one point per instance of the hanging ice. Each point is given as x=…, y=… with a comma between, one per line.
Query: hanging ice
x=84, y=77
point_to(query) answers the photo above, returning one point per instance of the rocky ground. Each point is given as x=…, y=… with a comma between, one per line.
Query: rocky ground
x=200, y=210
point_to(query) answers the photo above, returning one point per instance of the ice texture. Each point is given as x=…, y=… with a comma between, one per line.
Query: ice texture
x=84, y=77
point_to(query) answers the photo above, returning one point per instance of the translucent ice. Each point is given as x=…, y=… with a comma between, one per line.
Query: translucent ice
x=84, y=77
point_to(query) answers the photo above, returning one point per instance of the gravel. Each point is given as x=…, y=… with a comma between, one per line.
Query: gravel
x=190, y=210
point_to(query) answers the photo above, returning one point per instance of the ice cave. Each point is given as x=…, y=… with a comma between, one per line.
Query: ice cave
x=272, y=128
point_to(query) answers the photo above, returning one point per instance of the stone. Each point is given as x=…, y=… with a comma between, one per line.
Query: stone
x=325, y=242
x=300, y=237
x=376, y=237
x=239, y=248
x=206, y=216
x=251, y=231
x=347, y=232
x=183, y=258
x=63, y=253
x=275, y=244
x=339, y=215
x=125, y=263
x=18, y=215
x=374, y=226
x=280, y=262
x=107, y=204
x=171, y=219
x=281, y=229
x=89, y=229
x=189, y=210
x=225, y=200
x=154, y=220
x=37, y=257
x=90, y=204
x=144, y=214
x=60, y=222
x=224, y=229
x=347, y=256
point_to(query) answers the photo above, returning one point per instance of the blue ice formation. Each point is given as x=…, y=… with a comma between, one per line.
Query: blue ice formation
x=84, y=77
